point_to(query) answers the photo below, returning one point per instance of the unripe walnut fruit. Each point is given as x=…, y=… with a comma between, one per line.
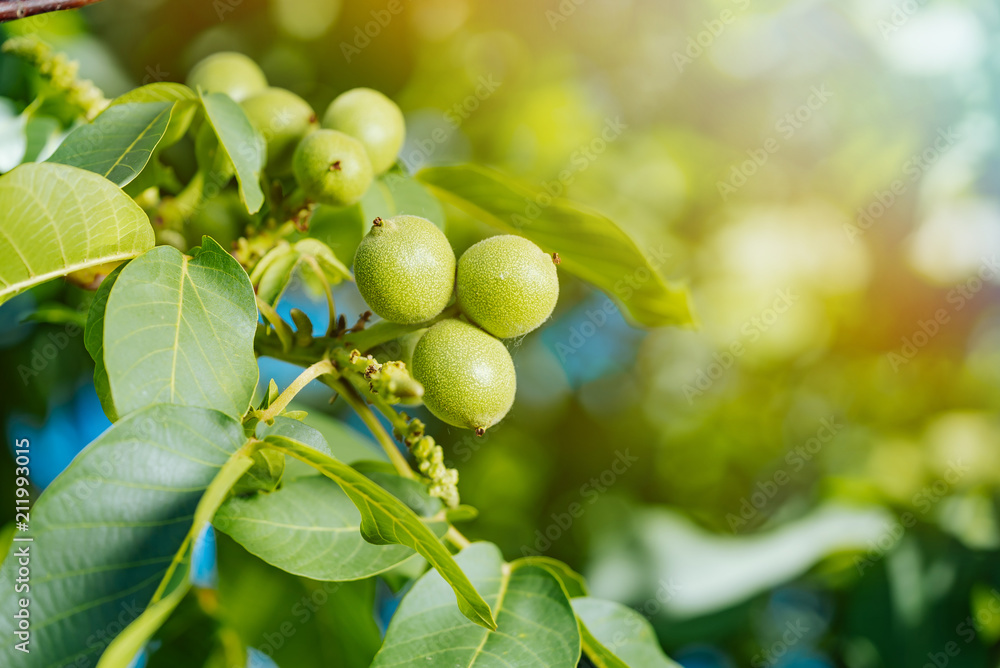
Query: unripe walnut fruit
x=332, y=168
x=507, y=285
x=405, y=269
x=228, y=72
x=468, y=376
x=373, y=119
x=284, y=119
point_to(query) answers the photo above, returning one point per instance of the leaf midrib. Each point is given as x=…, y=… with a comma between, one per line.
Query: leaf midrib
x=177, y=326
x=505, y=574
x=135, y=141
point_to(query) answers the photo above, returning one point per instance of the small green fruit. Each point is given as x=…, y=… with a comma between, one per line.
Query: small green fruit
x=468, y=376
x=405, y=269
x=228, y=72
x=223, y=218
x=284, y=119
x=332, y=168
x=507, y=285
x=373, y=119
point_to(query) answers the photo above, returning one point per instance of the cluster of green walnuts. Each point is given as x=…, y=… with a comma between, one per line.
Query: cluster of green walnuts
x=405, y=268
x=333, y=161
x=504, y=287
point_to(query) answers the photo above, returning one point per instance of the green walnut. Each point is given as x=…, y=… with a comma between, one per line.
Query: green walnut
x=223, y=218
x=332, y=168
x=373, y=119
x=228, y=72
x=405, y=269
x=507, y=285
x=468, y=376
x=284, y=119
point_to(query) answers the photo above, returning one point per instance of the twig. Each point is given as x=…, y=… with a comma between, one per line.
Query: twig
x=457, y=538
x=11, y=10
x=384, y=331
x=376, y=428
x=306, y=377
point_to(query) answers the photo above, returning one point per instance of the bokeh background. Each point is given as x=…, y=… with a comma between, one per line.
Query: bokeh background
x=810, y=478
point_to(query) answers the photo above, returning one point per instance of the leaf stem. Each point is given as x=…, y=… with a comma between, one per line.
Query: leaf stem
x=281, y=328
x=310, y=374
x=456, y=538
x=343, y=385
x=378, y=431
x=238, y=464
x=385, y=331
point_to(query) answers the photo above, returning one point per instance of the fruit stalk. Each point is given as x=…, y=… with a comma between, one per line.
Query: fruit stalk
x=378, y=431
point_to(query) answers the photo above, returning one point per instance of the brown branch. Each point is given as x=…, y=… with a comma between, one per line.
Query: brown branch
x=11, y=10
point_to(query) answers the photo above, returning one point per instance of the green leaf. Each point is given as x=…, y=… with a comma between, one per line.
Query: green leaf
x=41, y=132
x=256, y=599
x=265, y=475
x=347, y=444
x=118, y=143
x=385, y=519
x=592, y=247
x=186, y=103
x=93, y=340
x=59, y=219
x=461, y=513
x=57, y=313
x=159, y=91
x=535, y=623
x=180, y=330
x=618, y=637
x=176, y=583
x=573, y=583
x=242, y=143
x=108, y=530
x=309, y=527
x=394, y=194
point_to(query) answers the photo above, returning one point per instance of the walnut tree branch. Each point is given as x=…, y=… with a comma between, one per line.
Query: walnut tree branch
x=11, y=10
